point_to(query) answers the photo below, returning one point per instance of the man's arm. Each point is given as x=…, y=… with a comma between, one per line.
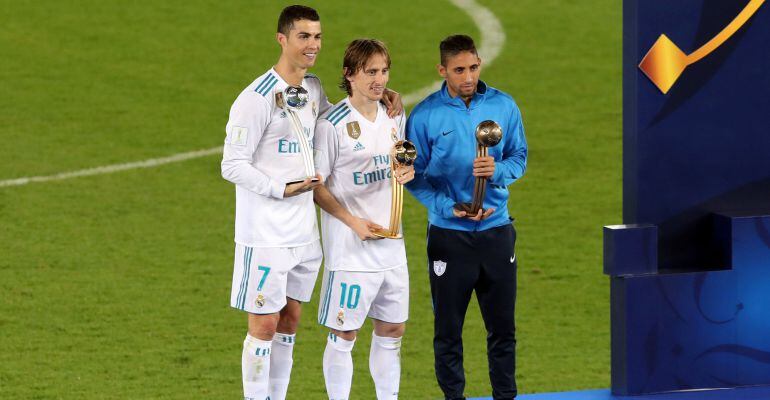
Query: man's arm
x=393, y=103
x=324, y=103
x=514, y=157
x=249, y=117
x=326, y=148
x=363, y=228
x=433, y=199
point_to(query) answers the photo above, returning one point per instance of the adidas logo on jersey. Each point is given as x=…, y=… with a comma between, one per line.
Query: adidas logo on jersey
x=283, y=114
x=358, y=146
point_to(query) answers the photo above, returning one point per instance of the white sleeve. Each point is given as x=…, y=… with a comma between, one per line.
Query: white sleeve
x=326, y=147
x=249, y=117
x=401, y=126
x=324, y=103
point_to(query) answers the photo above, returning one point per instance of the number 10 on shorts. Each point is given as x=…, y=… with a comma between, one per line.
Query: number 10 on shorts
x=352, y=293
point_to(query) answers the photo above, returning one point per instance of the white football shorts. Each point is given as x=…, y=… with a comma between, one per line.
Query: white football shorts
x=263, y=277
x=348, y=297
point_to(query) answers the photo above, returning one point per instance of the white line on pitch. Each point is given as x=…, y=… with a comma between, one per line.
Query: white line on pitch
x=492, y=40
x=108, y=169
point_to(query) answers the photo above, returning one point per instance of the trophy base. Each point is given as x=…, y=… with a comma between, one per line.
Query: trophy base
x=467, y=207
x=386, y=234
x=298, y=180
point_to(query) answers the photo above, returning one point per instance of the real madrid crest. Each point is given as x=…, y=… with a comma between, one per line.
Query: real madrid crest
x=260, y=301
x=340, y=318
x=354, y=130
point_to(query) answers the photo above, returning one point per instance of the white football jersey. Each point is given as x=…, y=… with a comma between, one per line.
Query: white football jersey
x=261, y=153
x=353, y=156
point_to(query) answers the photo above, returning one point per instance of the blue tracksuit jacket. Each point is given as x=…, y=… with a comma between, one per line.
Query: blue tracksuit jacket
x=443, y=130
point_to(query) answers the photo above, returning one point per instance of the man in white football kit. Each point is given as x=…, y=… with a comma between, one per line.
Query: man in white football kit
x=362, y=277
x=277, y=253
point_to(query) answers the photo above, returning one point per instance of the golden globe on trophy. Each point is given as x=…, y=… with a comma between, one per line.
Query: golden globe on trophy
x=291, y=100
x=403, y=154
x=488, y=134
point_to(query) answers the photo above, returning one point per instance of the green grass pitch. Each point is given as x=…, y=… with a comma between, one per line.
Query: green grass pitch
x=117, y=286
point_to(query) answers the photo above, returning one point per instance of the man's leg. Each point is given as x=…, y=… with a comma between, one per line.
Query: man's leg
x=346, y=297
x=389, y=312
x=259, y=288
x=300, y=280
x=496, y=291
x=281, y=357
x=453, y=273
x=255, y=360
x=338, y=364
x=385, y=359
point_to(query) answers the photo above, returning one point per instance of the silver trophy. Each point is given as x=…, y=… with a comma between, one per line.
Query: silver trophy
x=293, y=99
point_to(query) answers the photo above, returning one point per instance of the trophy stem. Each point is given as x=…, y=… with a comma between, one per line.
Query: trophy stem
x=396, y=201
x=396, y=218
x=305, y=149
x=479, y=185
x=396, y=207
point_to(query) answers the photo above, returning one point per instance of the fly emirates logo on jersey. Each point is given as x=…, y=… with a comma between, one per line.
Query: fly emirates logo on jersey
x=381, y=171
x=292, y=147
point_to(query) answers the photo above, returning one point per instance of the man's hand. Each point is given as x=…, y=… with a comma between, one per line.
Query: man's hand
x=363, y=228
x=482, y=214
x=404, y=174
x=294, y=189
x=484, y=167
x=392, y=101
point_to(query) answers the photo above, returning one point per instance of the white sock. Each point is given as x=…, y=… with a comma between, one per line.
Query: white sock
x=255, y=365
x=385, y=366
x=338, y=367
x=280, y=365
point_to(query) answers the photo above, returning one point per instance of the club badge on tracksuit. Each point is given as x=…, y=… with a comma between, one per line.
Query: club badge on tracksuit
x=439, y=267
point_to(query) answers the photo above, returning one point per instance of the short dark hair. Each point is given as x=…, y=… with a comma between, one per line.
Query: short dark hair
x=454, y=45
x=356, y=55
x=295, y=13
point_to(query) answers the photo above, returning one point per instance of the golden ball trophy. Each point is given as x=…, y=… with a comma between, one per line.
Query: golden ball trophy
x=403, y=154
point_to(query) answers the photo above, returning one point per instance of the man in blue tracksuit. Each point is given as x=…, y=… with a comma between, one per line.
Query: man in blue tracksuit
x=468, y=252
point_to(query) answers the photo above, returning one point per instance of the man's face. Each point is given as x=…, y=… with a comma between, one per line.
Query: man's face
x=302, y=44
x=461, y=73
x=371, y=80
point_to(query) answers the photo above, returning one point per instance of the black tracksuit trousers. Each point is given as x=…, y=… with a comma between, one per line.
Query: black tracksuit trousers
x=461, y=262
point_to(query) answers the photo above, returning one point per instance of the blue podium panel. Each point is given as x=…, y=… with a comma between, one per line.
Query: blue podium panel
x=704, y=145
x=697, y=330
x=630, y=249
x=752, y=393
x=694, y=311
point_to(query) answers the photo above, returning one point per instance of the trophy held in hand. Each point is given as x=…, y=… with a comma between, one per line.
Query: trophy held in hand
x=488, y=134
x=403, y=154
x=293, y=99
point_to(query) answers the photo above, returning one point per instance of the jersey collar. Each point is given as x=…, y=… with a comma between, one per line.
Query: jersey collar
x=478, y=97
x=282, y=84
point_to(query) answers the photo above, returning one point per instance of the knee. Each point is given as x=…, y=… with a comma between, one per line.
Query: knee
x=347, y=335
x=263, y=326
x=390, y=330
x=289, y=317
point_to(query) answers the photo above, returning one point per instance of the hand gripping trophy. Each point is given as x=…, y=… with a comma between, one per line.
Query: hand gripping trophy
x=402, y=154
x=293, y=99
x=488, y=134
